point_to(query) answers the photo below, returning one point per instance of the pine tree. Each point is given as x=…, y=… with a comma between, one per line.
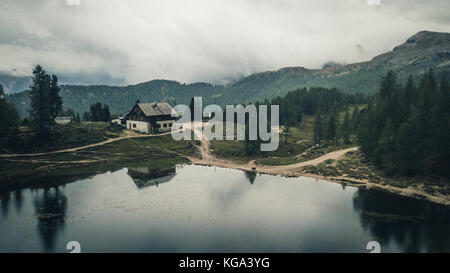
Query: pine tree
x=86, y=116
x=366, y=132
x=409, y=92
x=388, y=85
x=331, y=128
x=355, y=119
x=346, y=128
x=438, y=143
x=106, y=113
x=77, y=118
x=318, y=128
x=55, y=99
x=41, y=107
x=9, y=118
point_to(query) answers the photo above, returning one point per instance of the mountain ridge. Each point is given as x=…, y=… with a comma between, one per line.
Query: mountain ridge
x=423, y=50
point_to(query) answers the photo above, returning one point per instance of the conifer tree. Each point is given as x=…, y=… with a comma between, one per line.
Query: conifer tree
x=41, y=112
x=318, y=128
x=346, y=128
x=9, y=118
x=331, y=128
x=55, y=99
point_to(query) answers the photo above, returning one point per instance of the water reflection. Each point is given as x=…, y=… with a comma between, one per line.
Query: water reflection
x=413, y=225
x=5, y=198
x=50, y=208
x=147, y=176
x=210, y=209
x=251, y=176
x=18, y=199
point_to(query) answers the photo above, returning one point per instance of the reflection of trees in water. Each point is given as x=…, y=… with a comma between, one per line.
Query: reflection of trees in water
x=413, y=225
x=251, y=176
x=50, y=206
x=18, y=199
x=5, y=198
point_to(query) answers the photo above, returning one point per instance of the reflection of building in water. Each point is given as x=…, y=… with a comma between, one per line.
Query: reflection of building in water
x=146, y=176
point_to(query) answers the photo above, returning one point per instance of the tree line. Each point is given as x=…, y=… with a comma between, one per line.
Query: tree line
x=46, y=105
x=97, y=112
x=323, y=103
x=406, y=129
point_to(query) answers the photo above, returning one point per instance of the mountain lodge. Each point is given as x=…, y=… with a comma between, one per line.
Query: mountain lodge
x=150, y=118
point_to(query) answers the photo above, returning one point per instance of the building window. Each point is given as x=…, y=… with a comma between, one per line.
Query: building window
x=170, y=124
x=134, y=125
x=165, y=125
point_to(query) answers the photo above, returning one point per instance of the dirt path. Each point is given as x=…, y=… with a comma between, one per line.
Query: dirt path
x=205, y=144
x=209, y=159
x=128, y=134
x=415, y=191
x=286, y=170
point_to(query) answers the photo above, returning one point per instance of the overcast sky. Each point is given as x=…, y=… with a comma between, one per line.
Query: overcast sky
x=204, y=40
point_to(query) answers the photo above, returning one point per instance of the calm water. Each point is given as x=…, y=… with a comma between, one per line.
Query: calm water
x=206, y=209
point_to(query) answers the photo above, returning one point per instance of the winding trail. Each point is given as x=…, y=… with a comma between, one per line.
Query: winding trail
x=292, y=169
x=287, y=170
x=128, y=134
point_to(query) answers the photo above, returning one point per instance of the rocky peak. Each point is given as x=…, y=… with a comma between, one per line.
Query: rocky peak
x=425, y=39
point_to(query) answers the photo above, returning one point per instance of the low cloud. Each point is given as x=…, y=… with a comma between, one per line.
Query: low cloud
x=203, y=40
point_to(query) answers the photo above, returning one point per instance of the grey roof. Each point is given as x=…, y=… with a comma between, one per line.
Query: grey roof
x=156, y=108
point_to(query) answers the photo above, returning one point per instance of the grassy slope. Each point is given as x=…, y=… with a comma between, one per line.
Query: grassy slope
x=156, y=152
x=62, y=137
x=299, y=140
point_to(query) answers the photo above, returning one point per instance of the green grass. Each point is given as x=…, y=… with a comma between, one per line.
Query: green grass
x=157, y=152
x=355, y=166
x=62, y=137
x=296, y=148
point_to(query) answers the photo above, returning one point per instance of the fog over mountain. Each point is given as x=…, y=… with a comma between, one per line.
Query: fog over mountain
x=126, y=42
x=420, y=52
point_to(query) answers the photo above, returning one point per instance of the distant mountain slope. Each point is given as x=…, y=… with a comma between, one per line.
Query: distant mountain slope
x=121, y=99
x=422, y=51
x=13, y=84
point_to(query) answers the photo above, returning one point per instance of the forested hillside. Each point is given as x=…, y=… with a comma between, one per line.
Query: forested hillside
x=406, y=129
x=121, y=99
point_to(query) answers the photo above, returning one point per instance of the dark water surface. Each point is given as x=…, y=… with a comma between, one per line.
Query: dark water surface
x=206, y=209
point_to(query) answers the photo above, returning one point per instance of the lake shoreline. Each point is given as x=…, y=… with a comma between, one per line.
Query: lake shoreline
x=411, y=191
x=56, y=166
x=297, y=170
